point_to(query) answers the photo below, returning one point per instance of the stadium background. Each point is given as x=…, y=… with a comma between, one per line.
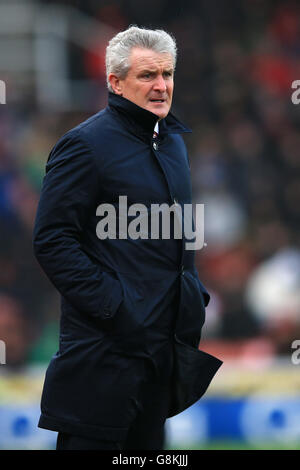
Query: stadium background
x=233, y=86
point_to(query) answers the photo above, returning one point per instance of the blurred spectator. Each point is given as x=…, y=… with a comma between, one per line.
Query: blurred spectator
x=273, y=295
x=13, y=331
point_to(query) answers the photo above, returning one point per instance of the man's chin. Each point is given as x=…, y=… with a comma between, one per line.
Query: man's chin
x=161, y=113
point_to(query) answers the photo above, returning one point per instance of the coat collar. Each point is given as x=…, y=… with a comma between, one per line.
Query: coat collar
x=142, y=120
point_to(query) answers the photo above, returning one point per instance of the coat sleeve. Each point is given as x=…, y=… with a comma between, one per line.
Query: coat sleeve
x=69, y=194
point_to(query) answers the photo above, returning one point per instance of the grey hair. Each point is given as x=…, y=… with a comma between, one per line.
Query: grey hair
x=120, y=46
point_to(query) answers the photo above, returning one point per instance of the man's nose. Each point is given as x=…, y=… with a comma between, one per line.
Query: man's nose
x=160, y=84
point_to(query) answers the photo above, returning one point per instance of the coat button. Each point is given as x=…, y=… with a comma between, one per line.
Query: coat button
x=182, y=270
x=155, y=146
x=106, y=312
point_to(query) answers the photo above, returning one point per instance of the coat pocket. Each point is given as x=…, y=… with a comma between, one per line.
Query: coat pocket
x=205, y=294
x=193, y=371
x=191, y=315
x=128, y=319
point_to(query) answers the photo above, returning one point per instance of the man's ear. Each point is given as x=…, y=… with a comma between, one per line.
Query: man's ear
x=115, y=83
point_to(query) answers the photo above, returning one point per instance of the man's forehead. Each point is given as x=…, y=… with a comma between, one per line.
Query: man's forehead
x=141, y=58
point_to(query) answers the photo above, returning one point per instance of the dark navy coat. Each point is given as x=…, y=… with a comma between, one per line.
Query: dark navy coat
x=121, y=299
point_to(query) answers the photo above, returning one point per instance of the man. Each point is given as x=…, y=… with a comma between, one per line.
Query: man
x=132, y=308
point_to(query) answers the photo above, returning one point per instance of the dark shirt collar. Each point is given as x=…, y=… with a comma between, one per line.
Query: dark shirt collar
x=142, y=120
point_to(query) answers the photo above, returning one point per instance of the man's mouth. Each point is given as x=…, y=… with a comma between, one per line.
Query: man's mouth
x=157, y=100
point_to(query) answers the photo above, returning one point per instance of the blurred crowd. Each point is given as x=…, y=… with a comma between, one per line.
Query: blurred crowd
x=237, y=61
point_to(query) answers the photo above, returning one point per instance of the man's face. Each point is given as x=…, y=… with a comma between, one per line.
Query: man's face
x=149, y=82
